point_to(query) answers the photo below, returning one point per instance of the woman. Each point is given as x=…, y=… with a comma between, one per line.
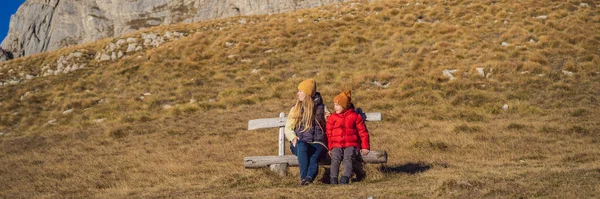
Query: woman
x=305, y=129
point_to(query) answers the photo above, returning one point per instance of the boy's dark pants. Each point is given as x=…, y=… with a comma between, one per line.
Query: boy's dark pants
x=344, y=155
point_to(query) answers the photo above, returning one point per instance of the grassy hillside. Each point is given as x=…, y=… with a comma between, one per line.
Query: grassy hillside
x=171, y=121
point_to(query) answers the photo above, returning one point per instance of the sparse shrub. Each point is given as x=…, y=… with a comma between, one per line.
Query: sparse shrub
x=463, y=128
x=550, y=129
x=579, y=130
x=244, y=101
x=434, y=145
x=579, y=112
x=119, y=132
x=516, y=126
x=471, y=99
x=470, y=116
x=189, y=108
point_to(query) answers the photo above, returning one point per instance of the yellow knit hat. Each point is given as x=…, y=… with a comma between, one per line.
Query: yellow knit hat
x=344, y=99
x=308, y=86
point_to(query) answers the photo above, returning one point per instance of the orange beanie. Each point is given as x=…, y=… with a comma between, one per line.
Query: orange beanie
x=344, y=99
x=308, y=86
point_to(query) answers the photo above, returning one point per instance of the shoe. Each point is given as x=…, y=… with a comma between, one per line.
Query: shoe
x=333, y=181
x=345, y=180
x=308, y=180
x=303, y=183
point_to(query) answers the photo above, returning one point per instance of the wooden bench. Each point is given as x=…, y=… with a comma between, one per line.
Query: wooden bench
x=279, y=164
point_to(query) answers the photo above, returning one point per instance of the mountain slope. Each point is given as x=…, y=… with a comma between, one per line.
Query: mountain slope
x=42, y=25
x=169, y=119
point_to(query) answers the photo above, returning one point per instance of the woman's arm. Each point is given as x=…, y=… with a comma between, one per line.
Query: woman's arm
x=288, y=130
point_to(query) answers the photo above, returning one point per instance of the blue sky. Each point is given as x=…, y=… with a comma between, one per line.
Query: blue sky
x=7, y=8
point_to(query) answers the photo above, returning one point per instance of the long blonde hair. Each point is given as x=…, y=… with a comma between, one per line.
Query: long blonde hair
x=306, y=117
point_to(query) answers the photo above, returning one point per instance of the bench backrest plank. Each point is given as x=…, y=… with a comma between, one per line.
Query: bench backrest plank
x=280, y=122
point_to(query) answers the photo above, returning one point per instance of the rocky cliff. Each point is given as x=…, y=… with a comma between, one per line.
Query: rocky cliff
x=42, y=25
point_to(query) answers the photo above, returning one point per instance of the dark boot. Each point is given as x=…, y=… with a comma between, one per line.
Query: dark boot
x=333, y=180
x=345, y=180
x=308, y=180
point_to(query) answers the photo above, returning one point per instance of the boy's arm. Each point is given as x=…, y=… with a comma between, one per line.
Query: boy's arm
x=328, y=132
x=362, y=133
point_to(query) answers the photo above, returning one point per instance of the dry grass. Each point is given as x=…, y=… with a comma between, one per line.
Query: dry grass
x=446, y=138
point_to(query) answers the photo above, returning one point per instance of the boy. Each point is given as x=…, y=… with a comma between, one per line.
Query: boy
x=346, y=135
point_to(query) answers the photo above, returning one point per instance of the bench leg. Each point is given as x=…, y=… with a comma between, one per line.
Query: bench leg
x=279, y=169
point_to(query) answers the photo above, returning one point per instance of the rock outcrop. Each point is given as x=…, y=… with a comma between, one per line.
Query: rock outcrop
x=5, y=55
x=42, y=25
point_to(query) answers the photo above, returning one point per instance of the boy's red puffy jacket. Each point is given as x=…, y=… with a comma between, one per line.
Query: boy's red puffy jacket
x=347, y=129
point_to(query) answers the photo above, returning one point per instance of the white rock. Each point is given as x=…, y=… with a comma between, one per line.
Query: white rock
x=246, y=60
x=449, y=73
x=29, y=77
x=51, y=122
x=104, y=57
x=229, y=44
x=255, y=71
x=113, y=56
x=505, y=44
x=112, y=47
x=524, y=72
x=67, y=111
x=131, y=47
x=584, y=5
x=67, y=69
x=138, y=48
x=147, y=94
x=505, y=107
x=531, y=41
x=268, y=51
x=480, y=71
x=168, y=35
x=131, y=40
x=75, y=55
x=166, y=106
x=231, y=56
x=147, y=42
x=300, y=20
x=566, y=72
x=377, y=83
x=120, y=42
x=158, y=41
x=120, y=54
x=151, y=36
x=542, y=17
